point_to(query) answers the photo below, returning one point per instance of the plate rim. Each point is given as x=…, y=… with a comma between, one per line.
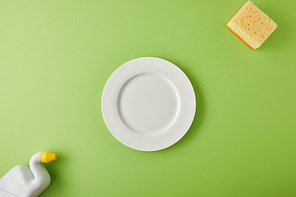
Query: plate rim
x=127, y=71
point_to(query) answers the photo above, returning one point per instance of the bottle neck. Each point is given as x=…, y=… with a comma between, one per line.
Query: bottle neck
x=38, y=170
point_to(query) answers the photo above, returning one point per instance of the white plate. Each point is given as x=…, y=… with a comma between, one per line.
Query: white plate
x=148, y=104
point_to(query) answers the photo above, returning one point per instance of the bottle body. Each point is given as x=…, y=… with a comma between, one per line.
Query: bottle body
x=23, y=181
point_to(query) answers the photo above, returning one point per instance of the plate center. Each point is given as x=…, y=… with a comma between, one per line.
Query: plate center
x=148, y=103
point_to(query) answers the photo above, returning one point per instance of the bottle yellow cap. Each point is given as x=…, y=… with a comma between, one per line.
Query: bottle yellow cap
x=46, y=157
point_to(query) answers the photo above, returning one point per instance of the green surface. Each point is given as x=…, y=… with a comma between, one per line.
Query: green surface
x=56, y=56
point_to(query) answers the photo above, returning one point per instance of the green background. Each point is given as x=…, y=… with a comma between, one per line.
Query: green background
x=56, y=56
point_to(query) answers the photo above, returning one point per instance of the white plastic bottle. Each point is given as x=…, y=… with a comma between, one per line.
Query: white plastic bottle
x=22, y=181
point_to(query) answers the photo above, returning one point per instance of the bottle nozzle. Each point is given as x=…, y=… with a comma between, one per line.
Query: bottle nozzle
x=46, y=157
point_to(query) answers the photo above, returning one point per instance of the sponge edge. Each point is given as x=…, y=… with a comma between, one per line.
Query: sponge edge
x=252, y=25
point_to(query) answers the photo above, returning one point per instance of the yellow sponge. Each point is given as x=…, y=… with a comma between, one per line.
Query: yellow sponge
x=252, y=25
